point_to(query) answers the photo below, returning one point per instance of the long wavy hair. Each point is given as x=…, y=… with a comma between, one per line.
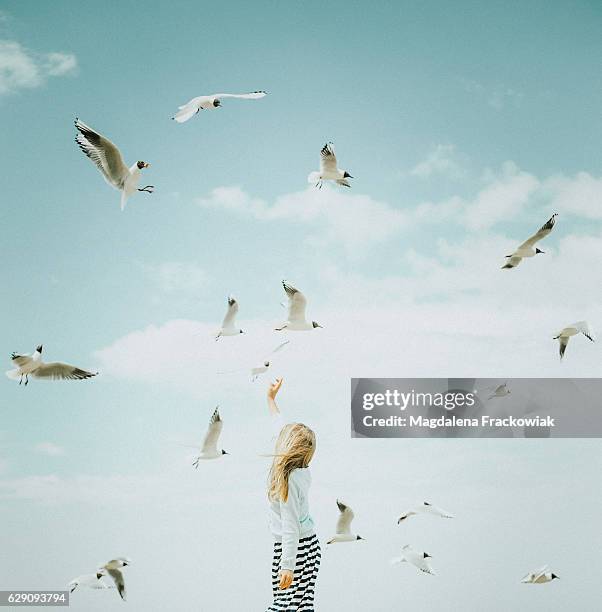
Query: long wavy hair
x=295, y=448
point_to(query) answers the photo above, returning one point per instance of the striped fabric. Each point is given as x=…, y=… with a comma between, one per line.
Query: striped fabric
x=299, y=597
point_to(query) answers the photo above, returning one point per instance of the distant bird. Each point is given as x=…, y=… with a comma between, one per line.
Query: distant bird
x=108, y=160
x=32, y=365
x=209, y=447
x=500, y=391
x=229, y=325
x=328, y=169
x=541, y=576
x=417, y=559
x=581, y=327
x=209, y=103
x=113, y=568
x=90, y=581
x=343, y=531
x=263, y=368
x=526, y=248
x=297, y=303
x=424, y=508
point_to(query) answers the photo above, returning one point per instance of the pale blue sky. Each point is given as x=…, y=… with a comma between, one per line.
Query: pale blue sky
x=466, y=127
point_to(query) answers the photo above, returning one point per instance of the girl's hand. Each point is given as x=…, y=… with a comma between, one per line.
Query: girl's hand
x=286, y=576
x=274, y=388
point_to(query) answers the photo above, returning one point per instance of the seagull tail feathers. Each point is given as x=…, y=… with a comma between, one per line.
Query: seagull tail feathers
x=13, y=374
x=313, y=177
x=184, y=114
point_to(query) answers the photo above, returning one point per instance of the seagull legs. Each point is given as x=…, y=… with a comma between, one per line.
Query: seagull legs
x=196, y=463
x=21, y=379
x=26, y=379
x=147, y=188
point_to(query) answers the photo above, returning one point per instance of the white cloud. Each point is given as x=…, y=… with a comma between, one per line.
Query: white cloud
x=442, y=160
x=355, y=221
x=21, y=68
x=178, y=277
x=49, y=448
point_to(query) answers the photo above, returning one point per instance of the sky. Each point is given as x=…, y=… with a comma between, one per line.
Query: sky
x=466, y=127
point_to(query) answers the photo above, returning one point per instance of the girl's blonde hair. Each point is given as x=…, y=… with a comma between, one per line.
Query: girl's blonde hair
x=295, y=448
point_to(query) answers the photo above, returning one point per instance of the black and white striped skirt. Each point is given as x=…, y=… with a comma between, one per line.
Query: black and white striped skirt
x=299, y=597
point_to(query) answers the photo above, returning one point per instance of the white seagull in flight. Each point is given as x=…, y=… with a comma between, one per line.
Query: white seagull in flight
x=229, y=325
x=209, y=448
x=581, y=327
x=108, y=160
x=32, y=365
x=113, y=568
x=297, y=303
x=526, y=248
x=424, y=508
x=328, y=169
x=343, y=530
x=210, y=102
x=541, y=576
x=417, y=559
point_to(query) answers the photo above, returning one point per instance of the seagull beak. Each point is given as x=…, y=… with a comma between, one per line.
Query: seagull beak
x=147, y=165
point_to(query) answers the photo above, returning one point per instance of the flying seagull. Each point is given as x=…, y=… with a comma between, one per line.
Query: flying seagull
x=263, y=368
x=229, y=325
x=108, y=160
x=328, y=169
x=424, y=508
x=417, y=559
x=32, y=365
x=90, y=581
x=209, y=447
x=113, y=568
x=581, y=327
x=500, y=391
x=541, y=576
x=297, y=303
x=526, y=248
x=343, y=533
x=209, y=103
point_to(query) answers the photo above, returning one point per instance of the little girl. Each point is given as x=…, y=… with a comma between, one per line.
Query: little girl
x=296, y=547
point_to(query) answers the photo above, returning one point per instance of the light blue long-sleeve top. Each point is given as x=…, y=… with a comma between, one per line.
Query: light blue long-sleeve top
x=290, y=521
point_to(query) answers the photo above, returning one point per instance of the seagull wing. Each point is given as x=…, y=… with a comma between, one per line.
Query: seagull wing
x=328, y=159
x=512, y=262
x=21, y=360
x=540, y=572
x=438, y=511
x=281, y=346
x=61, y=371
x=343, y=182
x=296, y=303
x=189, y=109
x=405, y=516
x=345, y=517
x=103, y=153
x=212, y=435
x=231, y=313
x=117, y=576
x=563, y=340
x=584, y=328
x=543, y=231
x=254, y=95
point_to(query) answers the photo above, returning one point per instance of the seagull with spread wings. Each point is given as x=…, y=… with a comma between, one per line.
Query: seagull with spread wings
x=297, y=303
x=526, y=248
x=113, y=568
x=541, y=576
x=415, y=558
x=424, y=508
x=343, y=529
x=329, y=171
x=210, y=102
x=209, y=448
x=108, y=160
x=32, y=365
x=229, y=324
x=581, y=327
